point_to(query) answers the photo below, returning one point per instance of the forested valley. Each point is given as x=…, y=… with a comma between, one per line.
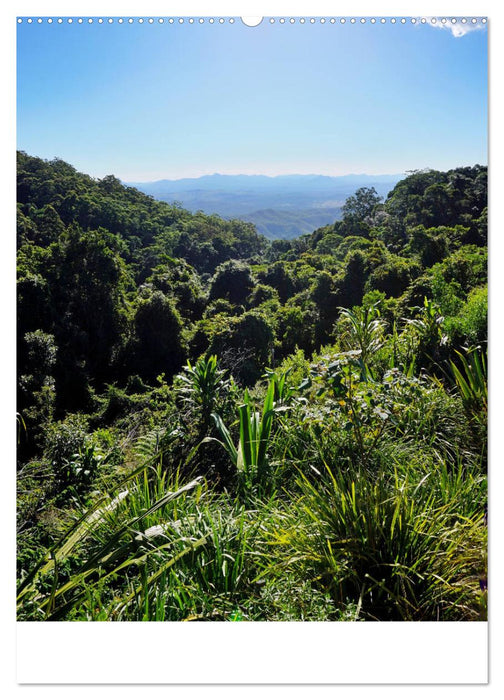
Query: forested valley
x=215, y=426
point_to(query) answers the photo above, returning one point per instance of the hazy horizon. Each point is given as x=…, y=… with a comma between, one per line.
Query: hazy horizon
x=242, y=173
x=271, y=176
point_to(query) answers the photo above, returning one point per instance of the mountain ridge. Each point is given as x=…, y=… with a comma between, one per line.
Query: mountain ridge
x=267, y=179
x=316, y=198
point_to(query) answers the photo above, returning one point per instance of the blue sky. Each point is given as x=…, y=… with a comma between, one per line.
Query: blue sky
x=148, y=101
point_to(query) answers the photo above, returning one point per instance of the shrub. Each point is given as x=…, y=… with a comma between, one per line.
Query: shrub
x=65, y=438
x=74, y=457
x=470, y=325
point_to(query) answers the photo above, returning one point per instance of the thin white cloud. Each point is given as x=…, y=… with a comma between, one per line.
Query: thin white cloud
x=460, y=27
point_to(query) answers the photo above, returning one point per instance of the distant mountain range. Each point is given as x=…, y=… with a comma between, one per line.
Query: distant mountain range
x=284, y=206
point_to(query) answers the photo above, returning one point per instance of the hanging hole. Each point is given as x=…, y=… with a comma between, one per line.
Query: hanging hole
x=251, y=21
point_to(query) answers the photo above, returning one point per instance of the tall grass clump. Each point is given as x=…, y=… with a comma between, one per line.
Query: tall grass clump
x=106, y=549
x=250, y=455
x=396, y=545
x=469, y=372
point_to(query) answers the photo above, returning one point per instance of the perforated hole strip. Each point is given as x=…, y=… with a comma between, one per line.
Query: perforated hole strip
x=271, y=20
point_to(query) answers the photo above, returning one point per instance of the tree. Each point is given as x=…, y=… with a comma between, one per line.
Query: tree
x=361, y=204
x=159, y=347
x=243, y=343
x=437, y=210
x=278, y=248
x=33, y=303
x=87, y=279
x=351, y=287
x=279, y=277
x=35, y=397
x=328, y=244
x=262, y=294
x=254, y=334
x=357, y=209
x=180, y=281
x=394, y=276
x=48, y=225
x=296, y=329
x=232, y=281
x=467, y=267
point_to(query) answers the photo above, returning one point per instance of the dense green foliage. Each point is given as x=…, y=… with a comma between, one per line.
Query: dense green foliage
x=215, y=426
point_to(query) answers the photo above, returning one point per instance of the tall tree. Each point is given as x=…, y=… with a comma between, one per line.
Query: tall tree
x=357, y=209
x=232, y=281
x=159, y=346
